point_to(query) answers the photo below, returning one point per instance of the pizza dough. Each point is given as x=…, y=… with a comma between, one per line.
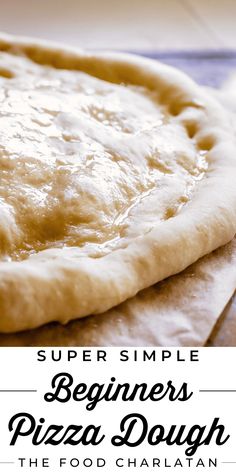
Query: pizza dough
x=179, y=311
x=110, y=173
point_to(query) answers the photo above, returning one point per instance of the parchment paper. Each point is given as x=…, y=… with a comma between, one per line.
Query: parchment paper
x=224, y=332
x=180, y=311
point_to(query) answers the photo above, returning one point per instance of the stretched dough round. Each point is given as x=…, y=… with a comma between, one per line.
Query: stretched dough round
x=116, y=172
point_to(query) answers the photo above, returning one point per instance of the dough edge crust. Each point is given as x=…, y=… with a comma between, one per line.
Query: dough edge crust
x=34, y=292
